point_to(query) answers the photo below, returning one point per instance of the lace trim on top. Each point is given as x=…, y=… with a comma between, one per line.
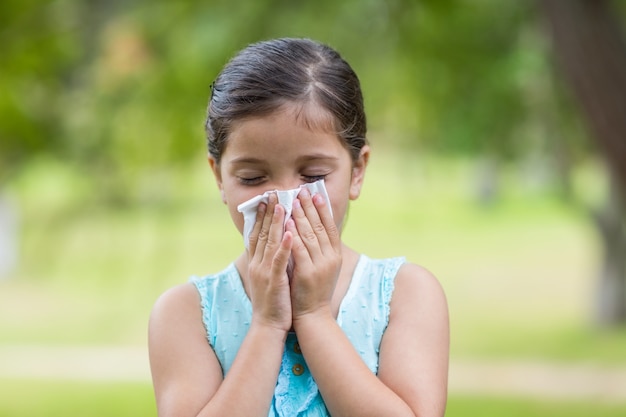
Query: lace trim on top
x=226, y=312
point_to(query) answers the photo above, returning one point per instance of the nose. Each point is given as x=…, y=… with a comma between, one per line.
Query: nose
x=288, y=184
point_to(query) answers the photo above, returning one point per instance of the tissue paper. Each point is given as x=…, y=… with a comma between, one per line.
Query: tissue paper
x=285, y=199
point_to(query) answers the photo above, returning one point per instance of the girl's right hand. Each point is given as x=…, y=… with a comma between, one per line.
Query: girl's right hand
x=269, y=252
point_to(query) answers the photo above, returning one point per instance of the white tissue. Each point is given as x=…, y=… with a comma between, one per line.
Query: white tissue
x=285, y=199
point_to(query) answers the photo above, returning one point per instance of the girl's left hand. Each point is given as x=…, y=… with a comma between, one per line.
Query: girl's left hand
x=316, y=252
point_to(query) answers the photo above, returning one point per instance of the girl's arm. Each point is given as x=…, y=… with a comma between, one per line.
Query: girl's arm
x=413, y=359
x=413, y=362
x=186, y=374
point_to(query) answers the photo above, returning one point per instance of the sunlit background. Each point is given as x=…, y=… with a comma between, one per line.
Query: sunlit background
x=486, y=169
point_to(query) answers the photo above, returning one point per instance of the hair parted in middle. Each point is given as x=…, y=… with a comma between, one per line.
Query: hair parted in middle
x=268, y=75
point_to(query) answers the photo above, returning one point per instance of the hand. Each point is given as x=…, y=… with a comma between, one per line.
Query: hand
x=316, y=252
x=269, y=253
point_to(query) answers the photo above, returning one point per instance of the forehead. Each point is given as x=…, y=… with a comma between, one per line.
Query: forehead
x=312, y=116
x=288, y=135
x=305, y=114
x=300, y=122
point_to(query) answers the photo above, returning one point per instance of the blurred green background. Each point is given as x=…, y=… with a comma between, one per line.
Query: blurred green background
x=483, y=170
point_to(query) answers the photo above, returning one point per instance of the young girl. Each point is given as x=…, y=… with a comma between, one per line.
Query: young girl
x=299, y=324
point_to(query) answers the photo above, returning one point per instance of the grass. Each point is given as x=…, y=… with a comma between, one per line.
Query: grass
x=459, y=406
x=95, y=399
x=26, y=398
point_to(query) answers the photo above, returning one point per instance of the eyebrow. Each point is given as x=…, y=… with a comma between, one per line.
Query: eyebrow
x=247, y=160
x=304, y=158
x=317, y=156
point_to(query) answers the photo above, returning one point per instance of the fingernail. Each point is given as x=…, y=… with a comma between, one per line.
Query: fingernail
x=296, y=204
x=304, y=192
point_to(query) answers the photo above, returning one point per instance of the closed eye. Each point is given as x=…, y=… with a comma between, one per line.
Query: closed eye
x=313, y=178
x=250, y=181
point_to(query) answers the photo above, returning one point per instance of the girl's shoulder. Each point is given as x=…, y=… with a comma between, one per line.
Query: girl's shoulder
x=418, y=273
x=397, y=269
x=408, y=280
x=184, y=300
x=177, y=301
x=404, y=283
x=418, y=288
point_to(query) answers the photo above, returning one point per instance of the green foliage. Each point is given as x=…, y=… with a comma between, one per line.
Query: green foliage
x=37, y=57
x=118, y=89
x=103, y=102
x=469, y=69
x=27, y=398
x=473, y=406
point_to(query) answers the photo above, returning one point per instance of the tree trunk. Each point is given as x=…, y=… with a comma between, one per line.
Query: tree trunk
x=611, y=297
x=591, y=50
x=9, y=228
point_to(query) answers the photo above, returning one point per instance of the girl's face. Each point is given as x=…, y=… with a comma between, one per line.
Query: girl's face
x=283, y=150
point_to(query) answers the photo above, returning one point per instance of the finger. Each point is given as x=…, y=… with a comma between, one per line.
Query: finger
x=323, y=209
x=307, y=243
x=308, y=221
x=258, y=223
x=281, y=258
x=265, y=226
x=276, y=231
x=298, y=249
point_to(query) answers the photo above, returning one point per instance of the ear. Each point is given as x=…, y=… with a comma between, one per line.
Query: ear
x=358, y=172
x=215, y=167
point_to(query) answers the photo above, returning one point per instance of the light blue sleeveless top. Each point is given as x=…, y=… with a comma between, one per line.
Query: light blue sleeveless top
x=363, y=316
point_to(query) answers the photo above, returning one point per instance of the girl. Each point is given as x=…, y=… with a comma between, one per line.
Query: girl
x=334, y=334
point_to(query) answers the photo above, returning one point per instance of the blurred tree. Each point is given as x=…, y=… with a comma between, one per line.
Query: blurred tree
x=482, y=86
x=590, y=46
x=486, y=87
x=118, y=88
x=464, y=59
x=38, y=52
x=137, y=107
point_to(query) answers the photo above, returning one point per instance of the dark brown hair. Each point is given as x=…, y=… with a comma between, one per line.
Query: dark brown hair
x=267, y=75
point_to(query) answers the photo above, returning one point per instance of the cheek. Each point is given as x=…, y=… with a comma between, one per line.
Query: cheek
x=339, y=203
x=339, y=215
x=236, y=217
x=232, y=201
x=234, y=196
